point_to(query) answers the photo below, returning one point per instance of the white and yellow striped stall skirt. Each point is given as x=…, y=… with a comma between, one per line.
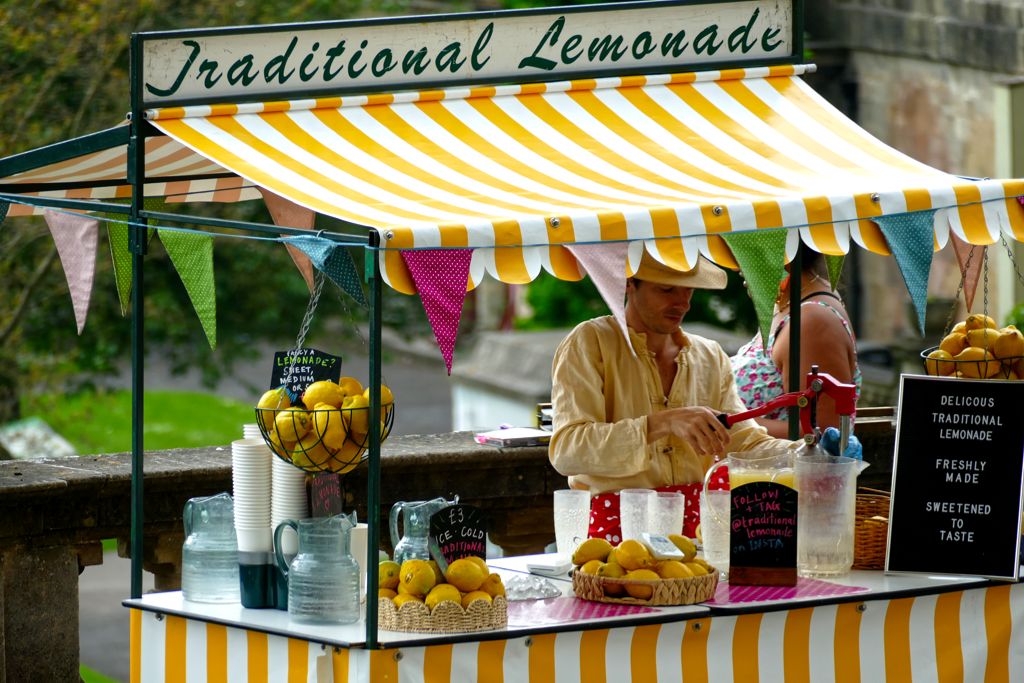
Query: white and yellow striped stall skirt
x=961, y=637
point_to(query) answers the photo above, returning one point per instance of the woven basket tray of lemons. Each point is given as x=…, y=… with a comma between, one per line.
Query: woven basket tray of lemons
x=328, y=431
x=977, y=349
x=629, y=574
x=418, y=597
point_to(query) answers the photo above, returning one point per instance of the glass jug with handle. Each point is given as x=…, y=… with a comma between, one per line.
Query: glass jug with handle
x=209, y=556
x=416, y=522
x=826, y=514
x=323, y=579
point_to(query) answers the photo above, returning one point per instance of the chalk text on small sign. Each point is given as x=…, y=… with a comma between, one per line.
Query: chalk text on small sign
x=298, y=368
x=456, y=532
x=762, y=542
x=326, y=498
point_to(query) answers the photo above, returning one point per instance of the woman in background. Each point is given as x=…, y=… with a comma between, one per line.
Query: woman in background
x=826, y=340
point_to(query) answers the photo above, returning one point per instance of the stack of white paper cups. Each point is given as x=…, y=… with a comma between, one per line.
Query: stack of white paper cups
x=251, y=477
x=251, y=431
x=288, y=501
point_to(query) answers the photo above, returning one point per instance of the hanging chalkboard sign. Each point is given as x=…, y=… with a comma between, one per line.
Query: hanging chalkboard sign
x=956, y=478
x=762, y=542
x=298, y=368
x=457, y=531
x=325, y=498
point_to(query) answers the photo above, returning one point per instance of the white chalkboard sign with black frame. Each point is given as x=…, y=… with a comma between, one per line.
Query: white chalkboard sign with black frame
x=958, y=472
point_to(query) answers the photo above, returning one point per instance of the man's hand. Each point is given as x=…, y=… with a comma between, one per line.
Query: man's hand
x=697, y=426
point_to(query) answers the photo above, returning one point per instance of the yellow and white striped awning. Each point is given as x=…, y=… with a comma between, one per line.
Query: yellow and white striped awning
x=666, y=161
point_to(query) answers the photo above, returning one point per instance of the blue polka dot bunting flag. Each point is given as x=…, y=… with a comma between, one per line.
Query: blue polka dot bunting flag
x=335, y=261
x=911, y=238
x=761, y=257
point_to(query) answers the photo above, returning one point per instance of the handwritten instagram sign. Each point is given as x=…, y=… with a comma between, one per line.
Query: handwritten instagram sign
x=763, y=532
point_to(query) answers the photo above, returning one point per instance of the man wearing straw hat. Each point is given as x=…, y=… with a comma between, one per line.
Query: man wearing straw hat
x=646, y=420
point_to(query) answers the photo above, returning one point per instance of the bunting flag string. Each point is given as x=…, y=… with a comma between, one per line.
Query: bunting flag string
x=606, y=266
x=288, y=214
x=761, y=258
x=441, y=277
x=835, y=269
x=969, y=275
x=77, y=240
x=117, y=236
x=911, y=239
x=335, y=261
x=192, y=256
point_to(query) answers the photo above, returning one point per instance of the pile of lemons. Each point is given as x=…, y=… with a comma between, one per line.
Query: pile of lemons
x=328, y=430
x=992, y=352
x=633, y=561
x=466, y=581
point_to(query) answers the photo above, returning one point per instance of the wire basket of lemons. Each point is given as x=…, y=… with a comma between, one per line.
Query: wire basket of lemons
x=329, y=430
x=977, y=349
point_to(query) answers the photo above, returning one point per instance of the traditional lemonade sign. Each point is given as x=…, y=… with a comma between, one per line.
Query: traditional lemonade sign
x=393, y=54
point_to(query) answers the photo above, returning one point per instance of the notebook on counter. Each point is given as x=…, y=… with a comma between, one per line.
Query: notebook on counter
x=515, y=436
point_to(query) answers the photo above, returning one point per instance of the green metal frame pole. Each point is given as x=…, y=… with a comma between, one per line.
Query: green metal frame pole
x=373, y=479
x=137, y=245
x=795, y=279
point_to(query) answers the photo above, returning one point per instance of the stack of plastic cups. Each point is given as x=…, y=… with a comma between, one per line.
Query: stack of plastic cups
x=251, y=431
x=288, y=501
x=251, y=480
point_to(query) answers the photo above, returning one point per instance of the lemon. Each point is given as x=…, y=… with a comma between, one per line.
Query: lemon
x=386, y=400
x=960, y=327
x=386, y=593
x=954, y=343
x=275, y=399
x=402, y=599
x=475, y=595
x=935, y=366
x=291, y=424
x=633, y=555
x=480, y=563
x=465, y=575
x=442, y=593
x=611, y=571
x=1009, y=344
x=402, y=590
x=697, y=569
x=322, y=392
x=493, y=586
x=417, y=577
x=982, y=338
x=591, y=549
x=978, y=321
x=672, y=569
x=387, y=576
x=438, y=574
x=702, y=563
x=283, y=449
x=640, y=591
x=685, y=545
x=311, y=453
x=978, y=368
x=328, y=425
x=698, y=534
x=350, y=386
x=356, y=413
x=611, y=558
x=346, y=458
x=592, y=567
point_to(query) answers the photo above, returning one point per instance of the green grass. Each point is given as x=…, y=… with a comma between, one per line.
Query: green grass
x=102, y=422
x=90, y=676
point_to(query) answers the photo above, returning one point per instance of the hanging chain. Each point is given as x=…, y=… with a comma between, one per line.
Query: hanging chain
x=355, y=326
x=314, y=300
x=986, y=283
x=1016, y=268
x=956, y=299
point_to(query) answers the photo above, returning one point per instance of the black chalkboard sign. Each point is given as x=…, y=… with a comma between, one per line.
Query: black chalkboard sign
x=457, y=531
x=299, y=368
x=325, y=495
x=762, y=542
x=956, y=479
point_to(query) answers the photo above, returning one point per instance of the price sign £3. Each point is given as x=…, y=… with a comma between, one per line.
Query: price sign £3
x=457, y=531
x=299, y=368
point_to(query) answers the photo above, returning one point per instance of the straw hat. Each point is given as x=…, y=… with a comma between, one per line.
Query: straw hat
x=704, y=275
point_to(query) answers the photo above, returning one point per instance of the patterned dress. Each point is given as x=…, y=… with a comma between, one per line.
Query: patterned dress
x=759, y=380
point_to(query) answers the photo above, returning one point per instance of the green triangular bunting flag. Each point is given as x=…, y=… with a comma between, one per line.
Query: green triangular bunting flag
x=835, y=268
x=761, y=256
x=117, y=234
x=192, y=256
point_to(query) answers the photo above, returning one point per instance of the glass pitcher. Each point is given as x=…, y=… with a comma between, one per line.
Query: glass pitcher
x=416, y=521
x=323, y=579
x=750, y=466
x=826, y=514
x=209, y=557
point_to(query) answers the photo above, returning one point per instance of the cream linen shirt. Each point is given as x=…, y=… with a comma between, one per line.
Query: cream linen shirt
x=602, y=396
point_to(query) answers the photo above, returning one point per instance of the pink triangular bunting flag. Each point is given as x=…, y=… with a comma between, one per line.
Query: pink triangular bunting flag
x=972, y=274
x=76, y=238
x=606, y=266
x=290, y=215
x=441, y=276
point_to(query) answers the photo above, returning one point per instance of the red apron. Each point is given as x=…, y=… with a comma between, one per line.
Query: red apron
x=604, y=508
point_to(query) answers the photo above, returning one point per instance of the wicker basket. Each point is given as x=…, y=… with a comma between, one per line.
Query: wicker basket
x=871, y=534
x=447, y=617
x=666, y=592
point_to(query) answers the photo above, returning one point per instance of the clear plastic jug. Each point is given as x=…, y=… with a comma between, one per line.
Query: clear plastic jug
x=750, y=466
x=323, y=579
x=416, y=523
x=826, y=514
x=209, y=557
